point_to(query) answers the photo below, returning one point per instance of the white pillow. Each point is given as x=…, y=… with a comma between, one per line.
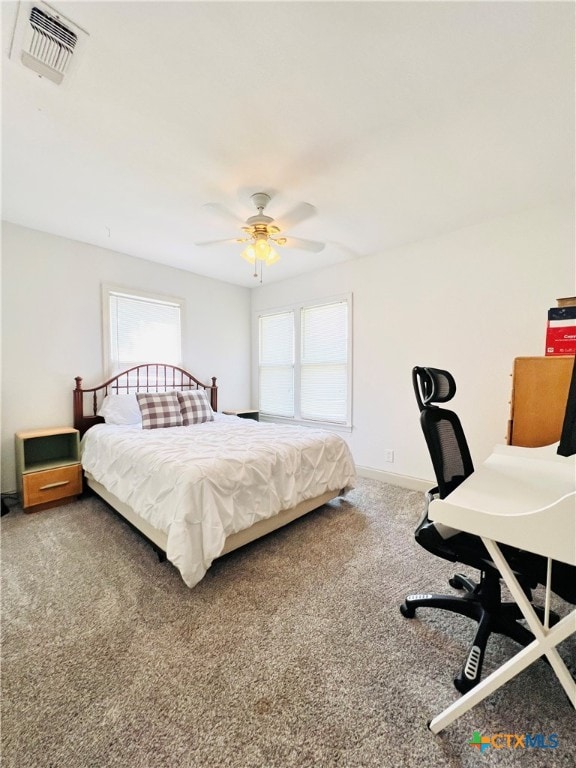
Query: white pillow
x=120, y=409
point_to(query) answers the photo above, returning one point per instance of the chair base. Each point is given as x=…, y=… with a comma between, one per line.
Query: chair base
x=480, y=602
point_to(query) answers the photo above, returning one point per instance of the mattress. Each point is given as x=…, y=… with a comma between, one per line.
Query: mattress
x=202, y=483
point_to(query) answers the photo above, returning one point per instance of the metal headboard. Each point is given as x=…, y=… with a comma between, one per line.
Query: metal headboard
x=152, y=377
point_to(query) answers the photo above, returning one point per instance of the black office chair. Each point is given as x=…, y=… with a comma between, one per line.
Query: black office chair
x=452, y=465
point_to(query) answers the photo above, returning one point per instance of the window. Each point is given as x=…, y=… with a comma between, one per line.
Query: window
x=141, y=328
x=277, y=364
x=304, y=370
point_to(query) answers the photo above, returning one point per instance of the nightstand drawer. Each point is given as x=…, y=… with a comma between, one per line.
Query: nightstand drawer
x=51, y=485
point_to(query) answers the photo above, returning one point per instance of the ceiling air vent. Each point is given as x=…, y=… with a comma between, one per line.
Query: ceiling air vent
x=45, y=41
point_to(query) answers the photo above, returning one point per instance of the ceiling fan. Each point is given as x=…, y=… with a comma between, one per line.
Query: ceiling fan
x=262, y=232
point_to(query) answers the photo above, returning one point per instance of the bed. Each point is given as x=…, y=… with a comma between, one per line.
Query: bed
x=203, y=488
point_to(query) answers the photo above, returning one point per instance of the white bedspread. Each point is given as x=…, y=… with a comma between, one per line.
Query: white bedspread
x=201, y=483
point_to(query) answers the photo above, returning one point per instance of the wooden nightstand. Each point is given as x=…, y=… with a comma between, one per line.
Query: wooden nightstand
x=249, y=414
x=48, y=467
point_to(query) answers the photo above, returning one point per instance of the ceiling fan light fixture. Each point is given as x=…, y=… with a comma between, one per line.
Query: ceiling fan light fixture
x=273, y=257
x=249, y=254
x=262, y=234
x=260, y=250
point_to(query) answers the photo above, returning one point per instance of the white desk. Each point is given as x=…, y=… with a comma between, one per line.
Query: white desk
x=526, y=498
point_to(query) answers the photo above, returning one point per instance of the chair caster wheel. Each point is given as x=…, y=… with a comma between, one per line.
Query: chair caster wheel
x=460, y=581
x=407, y=611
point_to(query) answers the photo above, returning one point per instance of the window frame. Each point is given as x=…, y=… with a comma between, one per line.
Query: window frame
x=109, y=289
x=296, y=308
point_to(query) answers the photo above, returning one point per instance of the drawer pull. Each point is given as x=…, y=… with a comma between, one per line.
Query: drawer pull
x=54, y=485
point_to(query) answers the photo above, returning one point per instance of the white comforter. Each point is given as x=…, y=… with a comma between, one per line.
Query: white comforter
x=201, y=483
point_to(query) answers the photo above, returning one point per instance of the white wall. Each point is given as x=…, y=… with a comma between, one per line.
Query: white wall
x=469, y=301
x=51, y=328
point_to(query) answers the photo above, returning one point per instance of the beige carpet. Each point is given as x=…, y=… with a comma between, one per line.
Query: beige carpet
x=291, y=651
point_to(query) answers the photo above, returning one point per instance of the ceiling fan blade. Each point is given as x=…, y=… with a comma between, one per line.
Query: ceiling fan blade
x=304, y=245
x=300, y=213
x=224, y=212
x=218, y=242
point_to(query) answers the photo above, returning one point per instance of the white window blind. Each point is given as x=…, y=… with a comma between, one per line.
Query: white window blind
x=276, y=364
x=305, y=362
x=143, y=330
x=324, y=362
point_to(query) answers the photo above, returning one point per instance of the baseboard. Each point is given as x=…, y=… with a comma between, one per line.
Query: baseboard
x=403, y=481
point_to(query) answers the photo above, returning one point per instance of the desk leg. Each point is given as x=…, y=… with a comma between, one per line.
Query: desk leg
x=540, y=632
x=545, y=642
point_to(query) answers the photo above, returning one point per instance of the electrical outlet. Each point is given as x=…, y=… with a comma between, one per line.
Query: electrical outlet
x=389, y=456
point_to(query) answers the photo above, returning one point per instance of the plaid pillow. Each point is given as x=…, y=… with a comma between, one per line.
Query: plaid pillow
x=195, y=407
x=159, y=409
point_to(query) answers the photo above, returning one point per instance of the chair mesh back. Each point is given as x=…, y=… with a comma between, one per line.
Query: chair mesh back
x=442, y=428
x=448, y=448
x=452, y=466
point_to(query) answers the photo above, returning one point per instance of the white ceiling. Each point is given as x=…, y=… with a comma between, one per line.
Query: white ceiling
x=397, y=120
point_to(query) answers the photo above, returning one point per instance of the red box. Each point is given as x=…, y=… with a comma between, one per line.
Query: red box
x=561, y=337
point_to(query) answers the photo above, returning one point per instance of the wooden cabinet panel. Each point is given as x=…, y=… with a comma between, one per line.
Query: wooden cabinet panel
x=539, y=393
x=51, y=485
